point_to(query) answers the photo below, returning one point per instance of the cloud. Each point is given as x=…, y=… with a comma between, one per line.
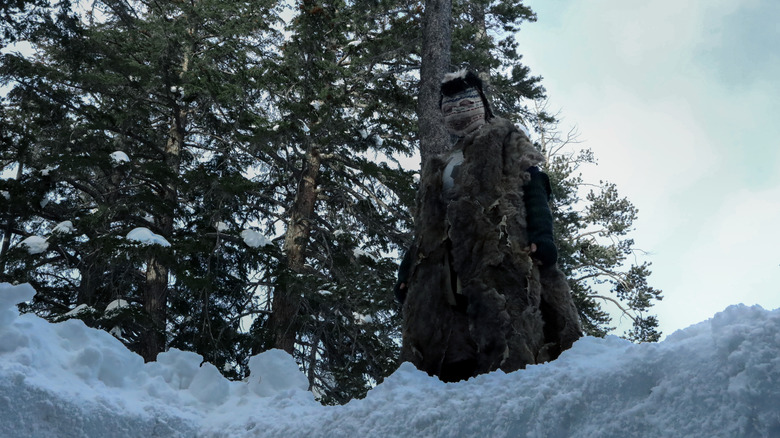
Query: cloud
x=742, y=42
x=732, y=260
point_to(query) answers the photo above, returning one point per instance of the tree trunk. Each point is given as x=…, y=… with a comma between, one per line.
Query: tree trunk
x=287, y=294
x=155, y=294
x=437, y=37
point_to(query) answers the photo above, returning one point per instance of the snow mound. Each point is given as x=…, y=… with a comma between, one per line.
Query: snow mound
x=81, y=308
x=254, y=239
x=146, y=236
x=119, y=157
x=719, y=378
x=275, y=372
x=116, y=305
x=10, y=296
x=35, y=244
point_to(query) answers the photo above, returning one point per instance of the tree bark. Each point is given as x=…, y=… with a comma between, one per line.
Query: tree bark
x=155, y=294
x=437, y=38
x=287, y=295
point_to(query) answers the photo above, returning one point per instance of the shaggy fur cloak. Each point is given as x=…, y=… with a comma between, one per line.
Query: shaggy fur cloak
x=476, y=301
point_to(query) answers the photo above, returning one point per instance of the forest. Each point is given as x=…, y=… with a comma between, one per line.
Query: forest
x=229, y=177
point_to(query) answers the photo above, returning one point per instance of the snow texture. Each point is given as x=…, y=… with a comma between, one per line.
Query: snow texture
x=119, y=157
x=35, y=244
x=81, y=308
x=146, y=236
x=719, y=378
x=358, y=253
x=221, y=226
x=64, y=227
x=116, y=305
x=255, y=239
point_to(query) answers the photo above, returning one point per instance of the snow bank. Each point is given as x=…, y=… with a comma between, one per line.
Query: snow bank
x=719, y=378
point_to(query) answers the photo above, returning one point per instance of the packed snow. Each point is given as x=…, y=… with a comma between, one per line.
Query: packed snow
x=116, y=305
x=147, y=236
x=719, y=378
x=119, y=157
x=35, y=244
x=81, y=308
x=254, y=239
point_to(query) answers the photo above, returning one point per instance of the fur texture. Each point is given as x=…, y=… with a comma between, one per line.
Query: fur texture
x=476, y=301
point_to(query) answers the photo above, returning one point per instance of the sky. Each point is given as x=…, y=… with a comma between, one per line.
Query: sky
x=715, y=379
x=679, y=103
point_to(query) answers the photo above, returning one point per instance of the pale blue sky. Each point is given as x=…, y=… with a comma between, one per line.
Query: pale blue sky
x=680, y=101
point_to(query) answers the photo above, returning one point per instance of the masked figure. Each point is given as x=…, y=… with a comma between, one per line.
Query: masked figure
x=480, y=287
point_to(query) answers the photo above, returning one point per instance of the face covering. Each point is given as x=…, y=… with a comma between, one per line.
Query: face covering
x=463, y=112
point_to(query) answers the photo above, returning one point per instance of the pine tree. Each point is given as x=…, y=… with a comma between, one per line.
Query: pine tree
x=228, y=134
x=344, y=111
x=17, y=17
x=592, y=235
x=165, y=85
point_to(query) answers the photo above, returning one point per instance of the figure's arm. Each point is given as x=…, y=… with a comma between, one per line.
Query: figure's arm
x=539, y=217
x=402, y=284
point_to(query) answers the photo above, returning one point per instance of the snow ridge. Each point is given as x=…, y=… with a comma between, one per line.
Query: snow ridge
x=719, y=378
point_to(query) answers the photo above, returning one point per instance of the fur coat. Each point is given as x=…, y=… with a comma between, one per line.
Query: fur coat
x=476, y=301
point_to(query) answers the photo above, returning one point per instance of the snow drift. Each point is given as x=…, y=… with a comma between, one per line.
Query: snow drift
x=719, y=378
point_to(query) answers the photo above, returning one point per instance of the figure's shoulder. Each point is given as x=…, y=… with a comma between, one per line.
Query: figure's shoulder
x=517, y=139
x=499, y=123
x=504, y=127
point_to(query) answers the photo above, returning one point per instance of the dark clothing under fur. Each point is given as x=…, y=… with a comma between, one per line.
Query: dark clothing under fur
x=476, y=301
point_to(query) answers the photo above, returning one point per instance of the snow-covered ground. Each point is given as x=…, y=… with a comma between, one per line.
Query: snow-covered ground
x=719, y=378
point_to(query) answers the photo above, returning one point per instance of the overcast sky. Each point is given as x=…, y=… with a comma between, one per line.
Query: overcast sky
x=680, y=102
